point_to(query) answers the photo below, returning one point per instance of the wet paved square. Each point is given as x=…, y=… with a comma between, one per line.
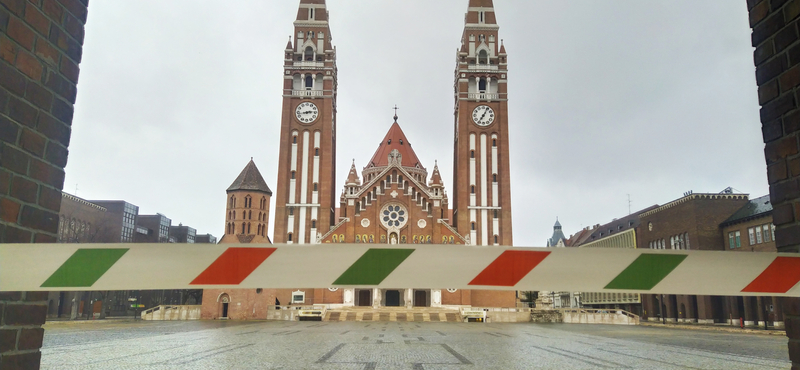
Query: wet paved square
x=399, y=345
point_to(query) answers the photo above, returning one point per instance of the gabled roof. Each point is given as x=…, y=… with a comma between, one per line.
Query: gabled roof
x=395, y=139
x=755, y=208
x=250, y=179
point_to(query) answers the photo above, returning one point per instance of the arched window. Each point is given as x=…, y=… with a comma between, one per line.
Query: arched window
x=293, y=175
x=250, y=215
x=494, y=142
x=472, y=189
x=494, y=177
x=309, y=55
x=248, y=201
x=259, y=229
x=473, y=226
x=248, y=228
x=234, y=215
x=472, y=154
x=482, y=85
x=313, y=224
x=316, y=152
x=483, y=57
x=290, y=237
x=315, y=186
x=309, y=82
x=495, y=239
x=244, y=225
x=294, y=139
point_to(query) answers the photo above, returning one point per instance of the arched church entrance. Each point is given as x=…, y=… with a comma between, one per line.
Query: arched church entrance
x=392, y=298
x=224, y=300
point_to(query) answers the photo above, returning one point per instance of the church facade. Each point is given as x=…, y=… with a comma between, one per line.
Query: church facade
x=394, y=199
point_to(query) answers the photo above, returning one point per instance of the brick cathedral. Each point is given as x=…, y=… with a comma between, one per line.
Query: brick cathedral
x=394, y=200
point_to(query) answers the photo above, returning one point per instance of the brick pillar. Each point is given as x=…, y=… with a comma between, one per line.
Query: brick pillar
x=41, y=42
x=777, y=55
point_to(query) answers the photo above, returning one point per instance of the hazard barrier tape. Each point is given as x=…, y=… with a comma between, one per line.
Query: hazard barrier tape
x=39, y=267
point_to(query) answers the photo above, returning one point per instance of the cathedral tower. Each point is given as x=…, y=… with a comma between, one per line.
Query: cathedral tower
x=305, y=198
x=482, y=193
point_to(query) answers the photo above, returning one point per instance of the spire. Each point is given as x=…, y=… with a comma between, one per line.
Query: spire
x=289, y=44
x=481, y=12
x=436, y=177
x=502, y=47
x=319, y=14
x=557, y=225
x=250, y=179
x=352, y=177
x=395, y=139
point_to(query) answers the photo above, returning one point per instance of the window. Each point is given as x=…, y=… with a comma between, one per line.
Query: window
x=309, y=81
x=473, y=226
x=759, y=240
x=482, y=81
x=766, y=233
x=495, y=213
x=298, y=297
x=472, y=189
x=752, y=234
x=773, y=231
x=472, y=154
x=311, y=14
x=292, y=175
x=290, y=237
x=243, y=227
x=313, y=224
x=315, y=186
x=294, y=139
x=481, y=17
x=316, y=152
x=494, y=142
x=494, y=177
x=738, y=239
x=495, y=239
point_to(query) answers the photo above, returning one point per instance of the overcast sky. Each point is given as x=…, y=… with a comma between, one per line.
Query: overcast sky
x=606, y=99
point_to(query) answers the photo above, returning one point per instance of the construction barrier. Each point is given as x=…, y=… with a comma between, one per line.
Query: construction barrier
x=41, y=267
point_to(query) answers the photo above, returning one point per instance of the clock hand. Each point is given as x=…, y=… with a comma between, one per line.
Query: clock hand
x=484, y=114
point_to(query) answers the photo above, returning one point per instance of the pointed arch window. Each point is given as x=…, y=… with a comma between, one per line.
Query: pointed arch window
x=244, y=225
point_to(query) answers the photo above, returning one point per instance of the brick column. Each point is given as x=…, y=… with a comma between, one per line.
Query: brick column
x=41, y=42
x=777, y=55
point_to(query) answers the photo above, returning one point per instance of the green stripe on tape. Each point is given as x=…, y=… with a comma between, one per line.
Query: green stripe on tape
x=84, y=268
x=646, y=271
x=374, y=266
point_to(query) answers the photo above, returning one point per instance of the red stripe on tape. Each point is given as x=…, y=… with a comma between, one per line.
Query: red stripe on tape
x=509, y=268
x=780, y=276
x=233, y=266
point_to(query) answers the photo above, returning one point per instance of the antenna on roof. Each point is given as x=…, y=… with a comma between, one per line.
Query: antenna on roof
x=629, y=204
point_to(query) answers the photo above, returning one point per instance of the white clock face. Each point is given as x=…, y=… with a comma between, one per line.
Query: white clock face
x=306, y=112
x=483, y=115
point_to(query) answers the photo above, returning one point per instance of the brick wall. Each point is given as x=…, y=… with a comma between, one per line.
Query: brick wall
x=777, y=60
x=40, y=50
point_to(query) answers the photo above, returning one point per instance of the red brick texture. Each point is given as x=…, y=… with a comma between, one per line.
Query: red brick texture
x=40, y=50
x=777, y=60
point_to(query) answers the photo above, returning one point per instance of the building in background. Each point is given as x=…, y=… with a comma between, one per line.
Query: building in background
x=205, y=239
x=115, y=221
x=182, y=234
x=152, y=229
x=558, y=239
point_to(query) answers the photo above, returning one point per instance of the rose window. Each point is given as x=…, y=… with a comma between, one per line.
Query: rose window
x=394, y=216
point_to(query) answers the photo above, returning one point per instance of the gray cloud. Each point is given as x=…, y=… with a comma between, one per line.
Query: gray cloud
x=606, y=99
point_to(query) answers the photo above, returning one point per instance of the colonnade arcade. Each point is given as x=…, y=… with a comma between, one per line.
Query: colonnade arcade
x=408, y=297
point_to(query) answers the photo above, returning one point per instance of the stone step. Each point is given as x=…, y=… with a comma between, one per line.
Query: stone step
x=392, y=315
